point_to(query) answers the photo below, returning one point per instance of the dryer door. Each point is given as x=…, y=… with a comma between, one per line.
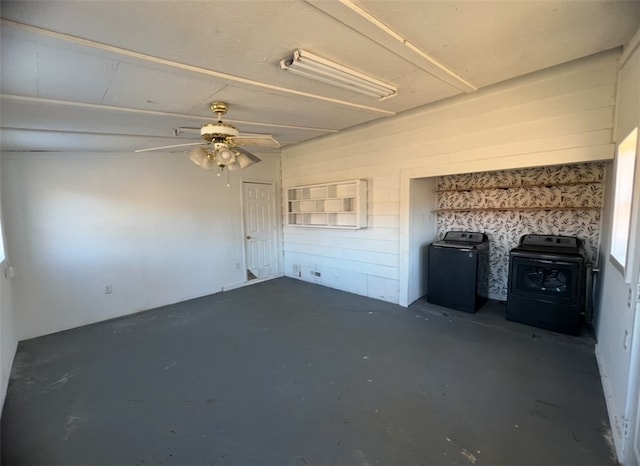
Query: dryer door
x=546, y=280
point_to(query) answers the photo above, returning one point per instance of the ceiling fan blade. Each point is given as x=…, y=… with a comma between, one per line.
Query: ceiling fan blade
x=245, y=139
x=243, y=159
x=169, y=147
x=262, y=140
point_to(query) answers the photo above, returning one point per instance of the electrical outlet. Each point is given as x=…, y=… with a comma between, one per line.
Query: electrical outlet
x=108, y=289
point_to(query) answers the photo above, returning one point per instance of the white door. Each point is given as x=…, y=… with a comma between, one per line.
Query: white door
x=259, y=230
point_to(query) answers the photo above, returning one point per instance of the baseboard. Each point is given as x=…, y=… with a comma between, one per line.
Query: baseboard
x=614, y=419
x=233, y=286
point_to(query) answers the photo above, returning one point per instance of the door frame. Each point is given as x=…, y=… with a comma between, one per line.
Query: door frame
x=277, y=223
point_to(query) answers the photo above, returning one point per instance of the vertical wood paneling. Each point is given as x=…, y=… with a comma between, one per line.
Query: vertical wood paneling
x=618, y=322
x=561, y=115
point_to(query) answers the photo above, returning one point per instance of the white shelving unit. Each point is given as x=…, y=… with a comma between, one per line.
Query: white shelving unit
x=331, y=205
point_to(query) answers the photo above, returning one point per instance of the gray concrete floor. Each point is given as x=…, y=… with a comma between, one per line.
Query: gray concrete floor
x=288, y=373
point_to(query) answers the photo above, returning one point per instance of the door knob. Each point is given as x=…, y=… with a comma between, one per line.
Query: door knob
x=248, y=237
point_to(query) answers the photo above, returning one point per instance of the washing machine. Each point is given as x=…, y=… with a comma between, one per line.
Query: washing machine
x=458, y=271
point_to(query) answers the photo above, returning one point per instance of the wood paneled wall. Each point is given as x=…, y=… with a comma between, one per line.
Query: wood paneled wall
x=561, y=115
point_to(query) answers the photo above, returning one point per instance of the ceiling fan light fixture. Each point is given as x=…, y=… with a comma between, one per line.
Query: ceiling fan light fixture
x=220, y=148
x=203, y=158
x=197, y=155
x=243, y=159
x=209, y=163
x=314, y=67
x=223, y=154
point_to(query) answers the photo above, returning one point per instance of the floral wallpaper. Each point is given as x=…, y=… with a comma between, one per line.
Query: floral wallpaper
x=539, y=200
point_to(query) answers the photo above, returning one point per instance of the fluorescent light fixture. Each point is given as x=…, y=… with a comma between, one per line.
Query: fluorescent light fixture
x=312, y=66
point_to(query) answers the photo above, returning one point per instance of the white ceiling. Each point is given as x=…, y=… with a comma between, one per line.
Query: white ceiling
x=116, y=76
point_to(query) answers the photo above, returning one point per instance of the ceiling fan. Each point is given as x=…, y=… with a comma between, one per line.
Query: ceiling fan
x=220, y=148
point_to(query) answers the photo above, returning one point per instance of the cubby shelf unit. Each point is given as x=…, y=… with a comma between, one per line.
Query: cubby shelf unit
x=341, y=204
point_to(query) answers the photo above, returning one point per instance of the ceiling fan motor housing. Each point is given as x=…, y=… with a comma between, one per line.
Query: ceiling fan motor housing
x=213, y=131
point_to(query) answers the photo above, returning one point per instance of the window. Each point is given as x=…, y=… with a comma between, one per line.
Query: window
x=625, y=169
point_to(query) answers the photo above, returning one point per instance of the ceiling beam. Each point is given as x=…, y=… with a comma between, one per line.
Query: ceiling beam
x=363, y=22
x=138, y=56
x=138, y=111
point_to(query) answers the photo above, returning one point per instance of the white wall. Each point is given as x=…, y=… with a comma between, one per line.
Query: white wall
x=8, y=336
x=561, y=115
x=150, y=225
x=618, y=348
